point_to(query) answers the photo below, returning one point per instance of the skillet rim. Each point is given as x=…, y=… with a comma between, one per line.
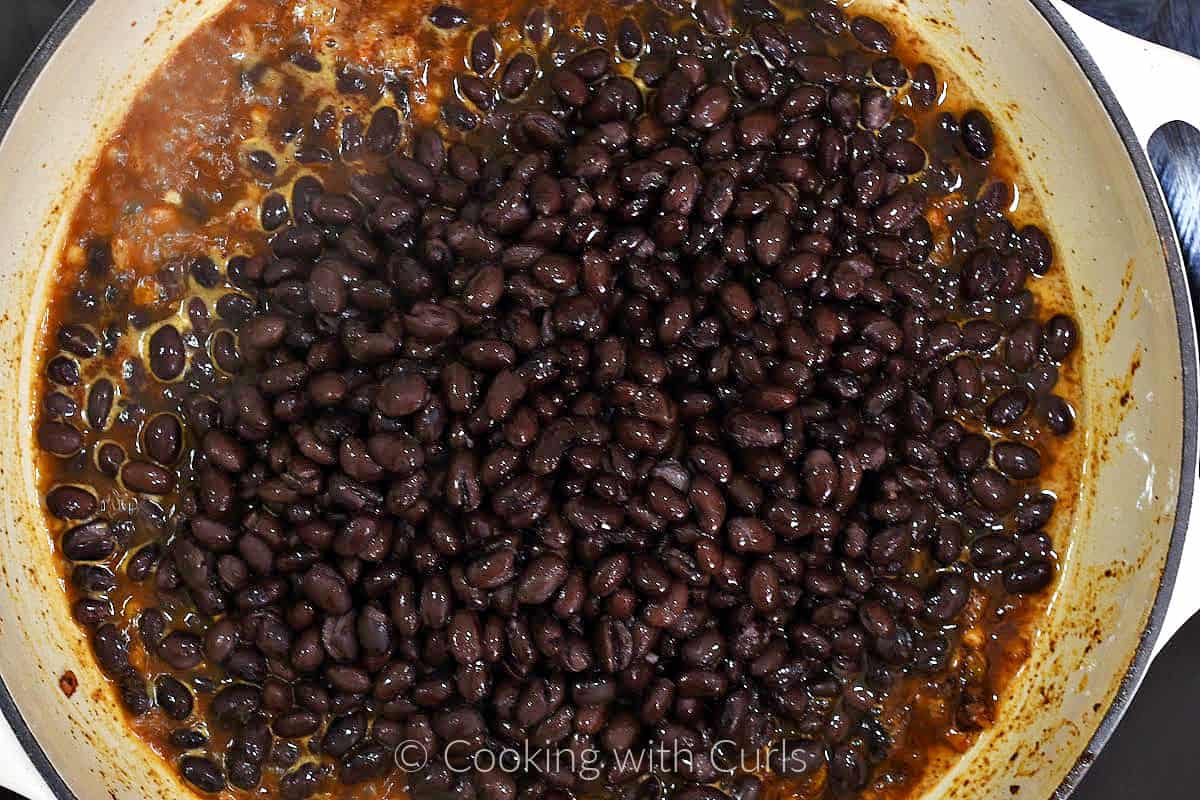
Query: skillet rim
x=1184, y=319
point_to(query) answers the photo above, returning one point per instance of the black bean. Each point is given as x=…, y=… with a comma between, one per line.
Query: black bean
x=447, y=16
x=382, y=133
x=262, y=162
x=173, y=697
x=714, y=16
x=78, y=340
x=1007, y=409
x=187, y=739
x=235, y=703
x=1059, y=415
x=63, y=371
x=162, y=438
x=59, y=438
x=91, y=541
x=343, y=733
x=992, y=551
x=483, y=52
x=924, y=91
x=889, y=72
x=58, y=404
x=977, y=134
x=517, y=75
x=948, y=599
x=181, y=650
x=1017, y=460
x=630, y=39
x=1059, y=337
x=904, y=157
x=202, y=773
x=109, y=458
x=166, y=353
x=71, y=502
x=992, y=490
x=366, y=763
x=541, y=579
x=1036, y=250
x=1022, y=346
x=147, y=478
x=327, y=589
x=335, y=209
x=99, y=403
x=1027, y=578
x=872, y=34
x=274, y=211
x=300, y=783
x=828, y=18
x=91, y=612
x=296, y=724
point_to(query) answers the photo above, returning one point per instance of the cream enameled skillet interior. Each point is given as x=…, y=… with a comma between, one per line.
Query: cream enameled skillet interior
x=1115, y=241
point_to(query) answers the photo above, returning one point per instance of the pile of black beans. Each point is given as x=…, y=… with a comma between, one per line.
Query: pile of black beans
x=638, y=415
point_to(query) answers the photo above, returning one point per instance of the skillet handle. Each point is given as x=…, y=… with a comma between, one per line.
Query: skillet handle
x=17, y=773
x=1154, y=86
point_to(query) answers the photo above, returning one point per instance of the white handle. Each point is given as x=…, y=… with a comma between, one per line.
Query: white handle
x=1154, y=85
x=17, y=772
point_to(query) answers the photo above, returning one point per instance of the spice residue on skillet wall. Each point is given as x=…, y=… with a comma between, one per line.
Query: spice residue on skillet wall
x=594, y=378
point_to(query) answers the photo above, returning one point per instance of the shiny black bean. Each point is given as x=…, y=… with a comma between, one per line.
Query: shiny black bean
x=147, y=478
x=1059, y=337
x=482, y=55
x=162, y=438
x=91, y=541
x=78, y=340
x=181, y=650
x=343, y=733
x=166, y=353
x=327, y=589
x=274, y=211
x=992, y=490
x=100, y=403
x=1007, y=409
x=872, y=34
x=262, y=162
x=1035, y=250
x=1028, y=578
x=71, y=502
x=381, y=136
x=1059, y=416
x=63, y=370
x=187, y=738
x=1022, y=346
x=517, y=75
x=59, y=438
x=977, y=134
x=1017, y=460
x=173, y=697
x=202, y=773
x=447, y=16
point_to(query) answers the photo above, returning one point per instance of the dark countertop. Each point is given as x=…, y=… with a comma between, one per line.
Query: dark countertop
x=1151, y=755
